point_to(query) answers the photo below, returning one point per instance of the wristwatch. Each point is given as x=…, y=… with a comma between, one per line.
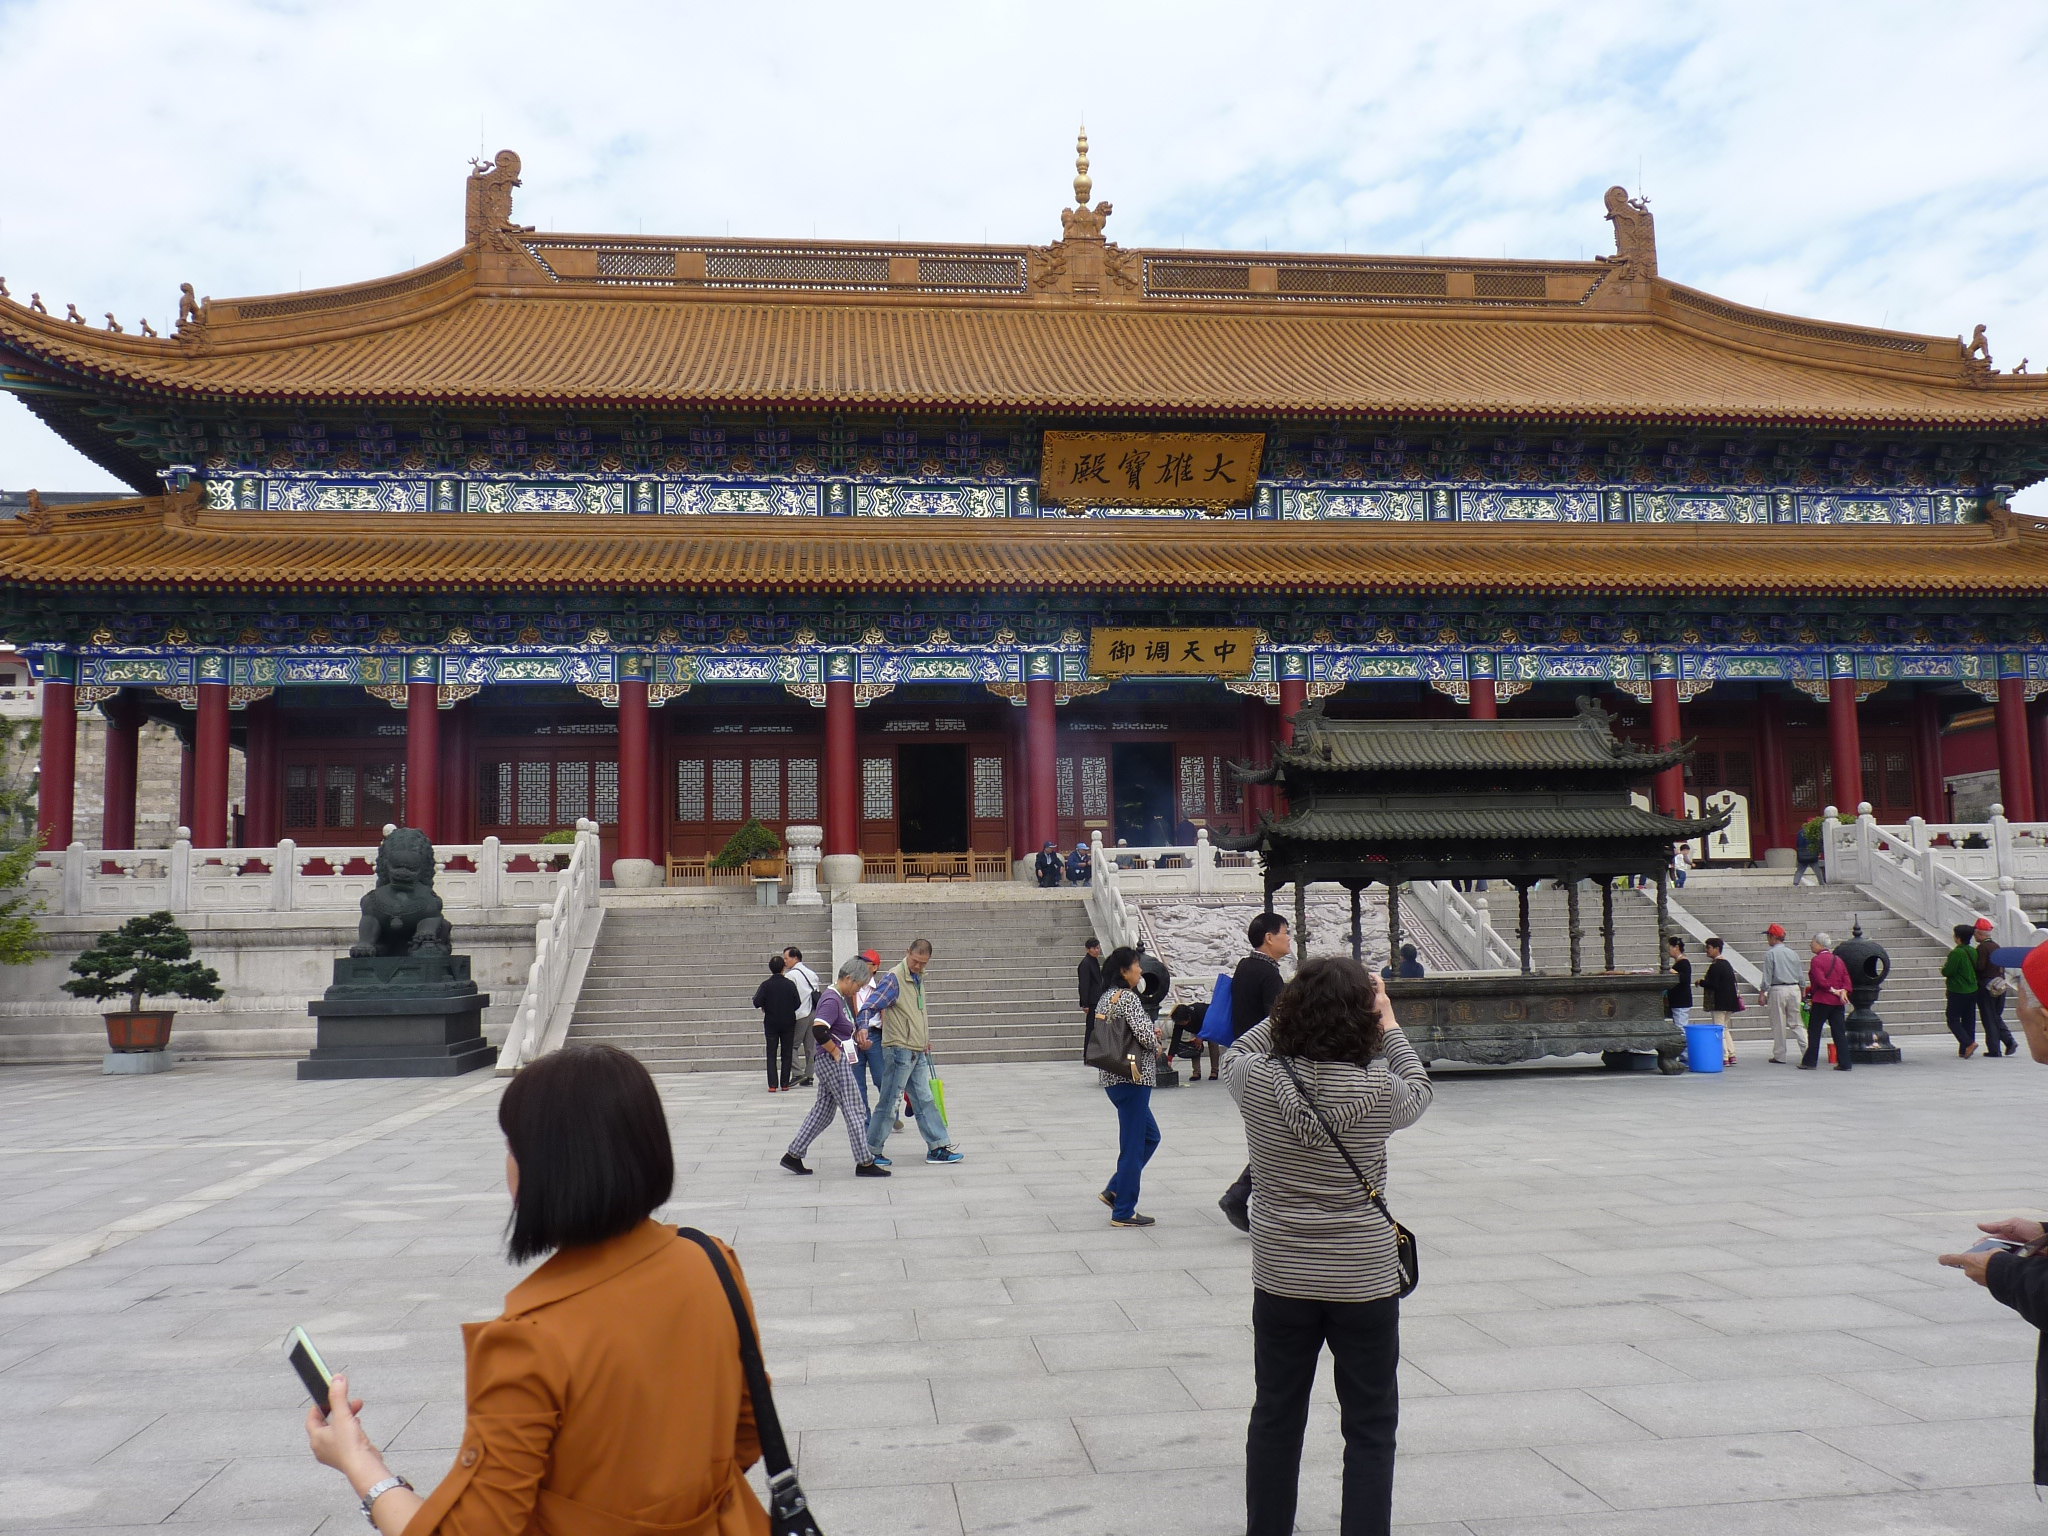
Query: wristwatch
x=378, y=1490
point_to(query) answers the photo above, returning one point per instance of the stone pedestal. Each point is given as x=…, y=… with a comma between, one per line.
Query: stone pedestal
x=416, y=1015
x=840, y=871
x=767, y=891
x=125, y=1063
x=637, y=874
x=802, y=843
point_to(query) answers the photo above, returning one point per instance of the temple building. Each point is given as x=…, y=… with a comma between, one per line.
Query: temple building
x=964, y=549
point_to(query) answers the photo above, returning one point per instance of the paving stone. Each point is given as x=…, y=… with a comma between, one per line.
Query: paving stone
x=1624, y=1300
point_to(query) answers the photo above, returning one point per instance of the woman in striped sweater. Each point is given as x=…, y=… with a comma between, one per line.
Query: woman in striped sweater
x=1324, y=1268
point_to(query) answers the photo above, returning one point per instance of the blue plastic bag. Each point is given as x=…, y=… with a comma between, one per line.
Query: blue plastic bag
x=1216, y=1022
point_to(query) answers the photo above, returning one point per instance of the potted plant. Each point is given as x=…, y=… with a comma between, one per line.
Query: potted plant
x=754, y=846
x=147, y=956
x=558, y=836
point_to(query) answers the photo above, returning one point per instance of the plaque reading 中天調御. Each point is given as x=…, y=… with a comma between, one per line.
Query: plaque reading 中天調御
x=1211, y=470
x=1172, y=652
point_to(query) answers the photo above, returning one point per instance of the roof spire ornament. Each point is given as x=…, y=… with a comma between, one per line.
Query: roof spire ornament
x=1083, y=183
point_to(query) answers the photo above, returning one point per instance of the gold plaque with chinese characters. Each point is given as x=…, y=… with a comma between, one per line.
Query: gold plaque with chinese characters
x=1172, y=652
x=1211, y=470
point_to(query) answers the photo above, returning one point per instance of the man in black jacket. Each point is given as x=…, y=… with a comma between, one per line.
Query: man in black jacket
x=1720, y=997
x=1048, y=867
x=1253, y=987
x=778, y=998
x=1088, y=975
x=1257, y=980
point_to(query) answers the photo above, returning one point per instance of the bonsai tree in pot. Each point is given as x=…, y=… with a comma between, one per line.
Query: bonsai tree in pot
x=754, y=846
x=145, y=957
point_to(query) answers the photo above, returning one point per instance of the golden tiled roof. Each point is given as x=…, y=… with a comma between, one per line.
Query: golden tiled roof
x=167, y=543
x=632, y=347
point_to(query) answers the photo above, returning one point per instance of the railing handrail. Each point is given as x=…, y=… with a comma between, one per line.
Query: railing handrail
x=283, y=873
x=1465, y=925
x=1920, y=879
x=554, y=946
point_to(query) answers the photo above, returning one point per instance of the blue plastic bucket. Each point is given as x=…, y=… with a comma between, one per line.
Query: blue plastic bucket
x=1705, y=1050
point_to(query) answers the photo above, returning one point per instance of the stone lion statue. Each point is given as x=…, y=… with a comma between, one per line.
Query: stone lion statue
x=402, y=914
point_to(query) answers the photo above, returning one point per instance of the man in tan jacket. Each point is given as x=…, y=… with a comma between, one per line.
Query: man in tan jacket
x=899, y=1003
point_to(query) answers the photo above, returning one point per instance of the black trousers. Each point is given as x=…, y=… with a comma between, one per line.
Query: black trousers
x=1962, y=1017
x=1288, y=1334
x=1829, y=1016
x=781, y=1040
x=1998, y=1039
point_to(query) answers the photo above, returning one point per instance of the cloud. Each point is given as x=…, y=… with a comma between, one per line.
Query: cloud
x=1874, y=162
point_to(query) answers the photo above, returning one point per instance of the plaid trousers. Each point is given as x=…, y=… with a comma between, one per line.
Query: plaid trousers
x=837, y=1094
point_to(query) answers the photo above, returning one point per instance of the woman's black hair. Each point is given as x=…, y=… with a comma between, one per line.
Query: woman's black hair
x=1329, y=1012
x=1121, y=959
x=585, y=1126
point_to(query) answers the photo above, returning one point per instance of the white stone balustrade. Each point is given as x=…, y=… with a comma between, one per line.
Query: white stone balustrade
x=562, y=943
x=1178, y=868
x=1923, y=871
x=181, y=879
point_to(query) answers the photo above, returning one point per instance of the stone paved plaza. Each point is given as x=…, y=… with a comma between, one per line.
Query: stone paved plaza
x=1671, y=1306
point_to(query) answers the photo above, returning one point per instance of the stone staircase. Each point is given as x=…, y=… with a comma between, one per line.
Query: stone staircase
x=1739, y=904
x=673, y=985
x=1002, y=970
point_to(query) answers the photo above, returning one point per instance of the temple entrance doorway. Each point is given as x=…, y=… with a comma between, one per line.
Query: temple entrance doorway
x=1143, y=774
x=932, y=798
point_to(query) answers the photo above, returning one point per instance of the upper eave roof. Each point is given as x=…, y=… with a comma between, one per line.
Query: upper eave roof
x=1582, y=744
x=510, y=324
x=160, y=543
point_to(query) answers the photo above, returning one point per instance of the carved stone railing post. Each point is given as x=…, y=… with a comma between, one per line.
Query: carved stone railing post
x=284, y=877
x=74, y=879
x=181, y=871
x=2001, y=842
x=1205, y=861
x=490, y=870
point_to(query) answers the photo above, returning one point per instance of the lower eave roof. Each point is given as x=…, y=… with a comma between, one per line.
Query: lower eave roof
x=167, y=543
x=1455, y=824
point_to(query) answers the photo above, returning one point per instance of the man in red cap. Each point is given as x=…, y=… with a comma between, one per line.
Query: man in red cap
x=2033, y=1012
x=1991, y=989
x=1778, y=990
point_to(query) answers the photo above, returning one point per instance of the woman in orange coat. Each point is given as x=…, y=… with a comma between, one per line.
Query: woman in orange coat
x=609, y=1396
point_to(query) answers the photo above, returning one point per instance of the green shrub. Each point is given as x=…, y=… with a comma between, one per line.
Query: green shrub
x=752, y=841
x=561, y=835
x=145, y=957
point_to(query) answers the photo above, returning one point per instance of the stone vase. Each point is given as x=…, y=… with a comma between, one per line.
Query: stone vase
x=637, y=874
x=840, y=871
x=802, y=843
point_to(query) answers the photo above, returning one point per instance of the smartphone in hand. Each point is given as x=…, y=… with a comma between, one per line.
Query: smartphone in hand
x=313, y=1371
x=1996, y=1245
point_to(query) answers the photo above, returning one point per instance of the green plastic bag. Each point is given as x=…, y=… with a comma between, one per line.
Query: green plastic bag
x=939, y=1097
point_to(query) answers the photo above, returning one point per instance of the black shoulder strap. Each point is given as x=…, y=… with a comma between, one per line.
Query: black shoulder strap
x=1344, y=1152
x=774, y=1449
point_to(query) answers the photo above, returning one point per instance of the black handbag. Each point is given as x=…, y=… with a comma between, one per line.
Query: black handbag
x=789, y=1512
x=1404, y=1241
x=1111, y=1046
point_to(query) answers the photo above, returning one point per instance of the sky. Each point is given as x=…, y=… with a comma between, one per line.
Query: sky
x=1876, y=163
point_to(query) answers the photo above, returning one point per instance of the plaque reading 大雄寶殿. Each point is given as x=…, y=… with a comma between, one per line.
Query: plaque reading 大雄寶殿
x=1211, y=470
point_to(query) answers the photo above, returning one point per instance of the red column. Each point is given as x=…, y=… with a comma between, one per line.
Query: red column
x=1293, y=694
x=1041, y=757
x=1773, y=815
x=1930, y=794
x=259, y=775
x=1258, y=751
x=1667, y=790
x=842, y=769
x=2015, y=768
x=2037, y=719
x=117, y=802
x=634, y=841
x=210, y=768
x=458, y=776
x=56, y=783
x=1845, y=744
x=423, y=758
x=1485, y=701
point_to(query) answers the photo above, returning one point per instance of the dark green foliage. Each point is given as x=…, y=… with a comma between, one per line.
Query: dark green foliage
x=145, y=957
x=751, y=841
x=560, y=835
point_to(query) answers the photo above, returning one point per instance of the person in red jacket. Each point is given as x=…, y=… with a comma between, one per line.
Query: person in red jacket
x=1827, y=993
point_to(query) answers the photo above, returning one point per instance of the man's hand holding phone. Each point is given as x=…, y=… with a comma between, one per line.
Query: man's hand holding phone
x=2014, y=1234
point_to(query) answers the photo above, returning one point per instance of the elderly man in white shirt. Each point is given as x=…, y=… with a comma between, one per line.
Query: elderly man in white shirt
x=1778, y=991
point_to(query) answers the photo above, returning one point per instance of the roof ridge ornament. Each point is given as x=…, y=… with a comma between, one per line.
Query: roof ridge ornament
x=1082, y=263
x=487, y=207
x=1635, y=236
